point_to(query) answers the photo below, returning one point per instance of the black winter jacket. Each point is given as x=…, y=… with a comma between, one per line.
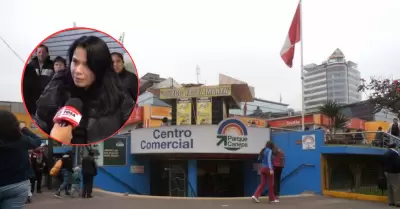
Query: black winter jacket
x=93, y=126
x=67, y=163
x=34, y=82
x=391, y=161
x=130, y=82
x=89, y=166
x=14, y=157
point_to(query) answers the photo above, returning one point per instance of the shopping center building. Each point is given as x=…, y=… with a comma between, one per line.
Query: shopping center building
x=204, y=151
x=201, y=153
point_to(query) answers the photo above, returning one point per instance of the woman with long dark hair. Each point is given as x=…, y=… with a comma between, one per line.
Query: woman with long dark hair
x=267, y=174
x=92, y=79
x=15, y=141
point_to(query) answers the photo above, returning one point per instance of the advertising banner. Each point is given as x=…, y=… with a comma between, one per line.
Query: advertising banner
x=204, y=111
x=114, y=152
x=249, y=121
x=183, y=112
x=231, y=136
x=111, y=152
x=193, y=92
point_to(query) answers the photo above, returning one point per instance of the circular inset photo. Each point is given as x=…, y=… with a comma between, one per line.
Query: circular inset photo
x=80, y=86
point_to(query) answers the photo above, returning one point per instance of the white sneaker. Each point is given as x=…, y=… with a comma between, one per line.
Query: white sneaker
x=255, y=199
x=275, y=201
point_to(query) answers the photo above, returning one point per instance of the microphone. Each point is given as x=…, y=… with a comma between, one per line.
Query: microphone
x=70, y=113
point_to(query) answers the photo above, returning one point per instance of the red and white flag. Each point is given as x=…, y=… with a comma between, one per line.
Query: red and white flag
x=293, y=37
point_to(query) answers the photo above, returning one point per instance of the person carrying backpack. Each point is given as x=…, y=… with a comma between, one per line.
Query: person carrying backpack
x=64, y=165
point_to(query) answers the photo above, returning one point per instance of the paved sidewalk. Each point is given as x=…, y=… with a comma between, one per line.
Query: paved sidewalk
x=109, y=201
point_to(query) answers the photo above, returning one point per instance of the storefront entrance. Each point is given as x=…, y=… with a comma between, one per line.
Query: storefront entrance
x=168, y=178
x=220, y=178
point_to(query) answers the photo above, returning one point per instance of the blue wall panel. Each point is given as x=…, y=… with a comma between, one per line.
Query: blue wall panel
x=306, y=178
x=192, y=178
x=128, y=182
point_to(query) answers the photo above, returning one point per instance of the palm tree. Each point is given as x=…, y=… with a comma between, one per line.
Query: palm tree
x=331, y=109
x=340, y=121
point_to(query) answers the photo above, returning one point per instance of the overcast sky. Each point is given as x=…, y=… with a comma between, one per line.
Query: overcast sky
x=240, y=38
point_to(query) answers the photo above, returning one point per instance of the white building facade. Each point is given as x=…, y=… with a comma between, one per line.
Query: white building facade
x=335, y=79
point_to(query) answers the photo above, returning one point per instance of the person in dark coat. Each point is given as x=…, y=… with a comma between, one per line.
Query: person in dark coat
x=15, y=141
x=394, y=128
x=66, y=171
x=37, y=75
x=128, y=80
x=89, y=171
x=31, y=175
x=90, y=78
x=38, y=165
x=391, y=162
x=359, y=137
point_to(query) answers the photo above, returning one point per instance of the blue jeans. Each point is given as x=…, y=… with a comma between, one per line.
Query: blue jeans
x=64, y=184
x=14, y=196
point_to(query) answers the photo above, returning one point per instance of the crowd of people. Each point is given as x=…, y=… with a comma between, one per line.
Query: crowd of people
x=71, y=177
x=108, y=92
x=92, y=74
x=22, y=176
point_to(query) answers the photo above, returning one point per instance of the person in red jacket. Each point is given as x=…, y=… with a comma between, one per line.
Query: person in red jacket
x=278, y=162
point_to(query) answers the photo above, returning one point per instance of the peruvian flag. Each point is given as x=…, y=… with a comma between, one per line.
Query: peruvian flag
x=293, y=37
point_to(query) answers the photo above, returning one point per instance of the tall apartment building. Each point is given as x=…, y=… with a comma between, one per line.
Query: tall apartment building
x=335, y=79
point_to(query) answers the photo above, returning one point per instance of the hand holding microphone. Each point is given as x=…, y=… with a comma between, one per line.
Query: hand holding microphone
x=66, y=119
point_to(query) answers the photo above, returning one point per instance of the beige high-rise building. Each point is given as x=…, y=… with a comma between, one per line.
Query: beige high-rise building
x=335, y=79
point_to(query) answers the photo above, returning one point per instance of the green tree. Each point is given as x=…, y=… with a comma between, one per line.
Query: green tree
x=331, y=109
x=383, y=94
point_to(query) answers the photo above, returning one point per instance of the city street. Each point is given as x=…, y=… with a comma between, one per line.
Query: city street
x=107, y=201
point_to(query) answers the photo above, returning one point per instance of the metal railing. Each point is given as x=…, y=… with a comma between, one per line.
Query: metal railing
x=279, y=130
x=194, y=193
x=291, y=173
x=115, y=178
x=296, y=171
x=365, y=138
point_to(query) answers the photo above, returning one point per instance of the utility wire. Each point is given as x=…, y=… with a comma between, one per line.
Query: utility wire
x=15, y=53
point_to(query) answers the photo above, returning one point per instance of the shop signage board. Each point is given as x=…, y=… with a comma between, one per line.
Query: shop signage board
x=193, y=92
x=111, y=152
x=204, y=111
x=115, y=150
x=230, y=136
x=184, y=111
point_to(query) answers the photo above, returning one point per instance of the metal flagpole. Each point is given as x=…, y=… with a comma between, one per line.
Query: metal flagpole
x=121, y=38
x=302, y=67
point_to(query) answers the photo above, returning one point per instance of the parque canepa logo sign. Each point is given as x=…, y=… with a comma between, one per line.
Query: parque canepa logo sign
x=232, y=134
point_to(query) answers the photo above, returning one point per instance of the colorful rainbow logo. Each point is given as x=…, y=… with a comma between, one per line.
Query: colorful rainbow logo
x=232, y=134
x=232, y=125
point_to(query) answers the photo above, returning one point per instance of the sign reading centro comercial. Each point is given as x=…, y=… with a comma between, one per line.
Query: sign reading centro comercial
x=230, y=136
x=203, y=91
